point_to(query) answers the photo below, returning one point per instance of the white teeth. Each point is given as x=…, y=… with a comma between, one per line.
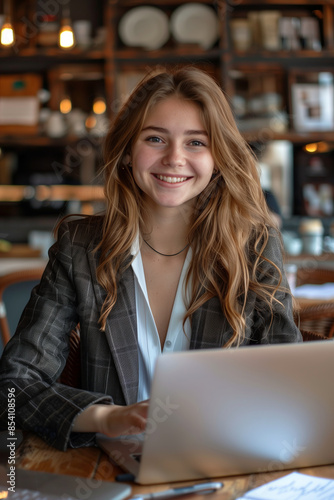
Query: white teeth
x=171, y=180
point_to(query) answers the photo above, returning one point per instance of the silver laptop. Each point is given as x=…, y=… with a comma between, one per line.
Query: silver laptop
x=223, y=412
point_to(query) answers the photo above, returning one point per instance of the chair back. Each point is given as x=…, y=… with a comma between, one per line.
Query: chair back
x=15, y=289
x=308, y=336
x=318, y=318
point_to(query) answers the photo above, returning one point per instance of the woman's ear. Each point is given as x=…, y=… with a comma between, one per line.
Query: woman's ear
x=126, y=159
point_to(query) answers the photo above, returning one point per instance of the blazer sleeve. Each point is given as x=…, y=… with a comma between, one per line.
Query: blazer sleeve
x=36, y=355
x=278, y=327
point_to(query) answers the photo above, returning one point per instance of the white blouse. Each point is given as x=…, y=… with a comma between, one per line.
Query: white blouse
x=148, y=337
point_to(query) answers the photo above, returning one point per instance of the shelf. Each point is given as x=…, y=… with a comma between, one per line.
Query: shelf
x=59, y=192
x=278, y=4
x=263, y=135
x=36, y=52
x=156, y=3
x=193, y=51
x=282, y=55
x=44, y=141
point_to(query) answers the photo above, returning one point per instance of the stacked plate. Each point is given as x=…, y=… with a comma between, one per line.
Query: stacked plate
x=150, y=28
x=145, y=27
x=195, y=23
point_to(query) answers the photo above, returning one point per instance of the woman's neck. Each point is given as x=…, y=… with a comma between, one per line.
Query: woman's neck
x=166, y=230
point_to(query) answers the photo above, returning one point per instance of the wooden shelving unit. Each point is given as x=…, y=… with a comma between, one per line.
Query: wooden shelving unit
x=118, y=63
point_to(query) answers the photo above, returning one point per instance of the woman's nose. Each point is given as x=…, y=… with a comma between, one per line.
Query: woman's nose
x=174, y=156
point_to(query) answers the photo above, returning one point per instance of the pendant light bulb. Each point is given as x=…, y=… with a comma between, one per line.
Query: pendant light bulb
x=66, y=36
x=99, y=106
x=7, y=37
x=65, y=105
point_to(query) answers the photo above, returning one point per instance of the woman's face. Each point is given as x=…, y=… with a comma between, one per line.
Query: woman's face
x=171, y=160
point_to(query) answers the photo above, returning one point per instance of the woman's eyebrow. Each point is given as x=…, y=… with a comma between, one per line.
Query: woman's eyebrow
x=195, y=132
x=166, y=131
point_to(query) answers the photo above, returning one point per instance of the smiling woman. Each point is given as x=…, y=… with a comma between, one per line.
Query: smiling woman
x=185, y=257
x=171, y=159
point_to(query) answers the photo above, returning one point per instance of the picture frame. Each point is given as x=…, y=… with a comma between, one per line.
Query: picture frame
x=318, y=199
x=312, y=106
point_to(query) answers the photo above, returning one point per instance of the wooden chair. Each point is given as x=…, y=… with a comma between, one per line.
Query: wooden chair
x=309, y=336
x=15, y=289
x=318, y=318
x=22, y=282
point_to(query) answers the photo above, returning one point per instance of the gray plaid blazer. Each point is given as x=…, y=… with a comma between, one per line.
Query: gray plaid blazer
x=69, y=294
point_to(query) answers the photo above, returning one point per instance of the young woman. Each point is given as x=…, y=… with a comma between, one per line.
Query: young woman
x=183, y=258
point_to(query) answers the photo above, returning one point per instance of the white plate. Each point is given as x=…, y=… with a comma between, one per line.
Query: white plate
x=195, y=23
x=146, y=27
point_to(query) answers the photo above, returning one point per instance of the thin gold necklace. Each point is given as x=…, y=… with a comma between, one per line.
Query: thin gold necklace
x=166, y=254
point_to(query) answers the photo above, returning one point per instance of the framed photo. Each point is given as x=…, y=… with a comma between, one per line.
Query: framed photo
x=312, y=106
x=318, y=199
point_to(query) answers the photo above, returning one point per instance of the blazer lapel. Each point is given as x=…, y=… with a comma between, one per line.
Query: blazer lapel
x=121, y=329
x=210, y=328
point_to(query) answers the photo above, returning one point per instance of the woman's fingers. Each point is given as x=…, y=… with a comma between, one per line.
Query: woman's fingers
x=120, y=420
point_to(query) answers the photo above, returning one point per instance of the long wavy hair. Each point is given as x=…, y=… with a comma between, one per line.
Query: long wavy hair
x=230, y=216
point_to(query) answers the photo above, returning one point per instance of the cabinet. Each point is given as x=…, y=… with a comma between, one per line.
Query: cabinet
x=295, y=49
x=281, y=86
x=263, y=55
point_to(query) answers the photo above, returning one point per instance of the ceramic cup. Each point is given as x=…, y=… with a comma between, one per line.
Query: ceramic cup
x=82, y=32
x=312, y=231
x=56, y=125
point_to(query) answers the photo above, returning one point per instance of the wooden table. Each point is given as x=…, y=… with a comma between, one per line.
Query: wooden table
x=35, y=454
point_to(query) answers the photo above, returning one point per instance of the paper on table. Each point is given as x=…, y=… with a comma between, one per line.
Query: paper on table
x=294, y=486
x=325, y=291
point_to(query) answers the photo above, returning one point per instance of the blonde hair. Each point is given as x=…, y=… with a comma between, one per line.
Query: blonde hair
x=230, y=216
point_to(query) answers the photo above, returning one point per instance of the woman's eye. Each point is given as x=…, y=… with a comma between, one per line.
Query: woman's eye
x=197, y=143
x=154, y=139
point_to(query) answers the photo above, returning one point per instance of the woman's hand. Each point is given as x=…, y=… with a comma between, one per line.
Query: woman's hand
x=112, y=420
x=120, y=420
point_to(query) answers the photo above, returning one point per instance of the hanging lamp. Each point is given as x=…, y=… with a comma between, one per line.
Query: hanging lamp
x=66, y=34
x=7, y=35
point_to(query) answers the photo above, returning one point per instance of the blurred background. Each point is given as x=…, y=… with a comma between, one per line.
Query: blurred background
x=66, y=66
